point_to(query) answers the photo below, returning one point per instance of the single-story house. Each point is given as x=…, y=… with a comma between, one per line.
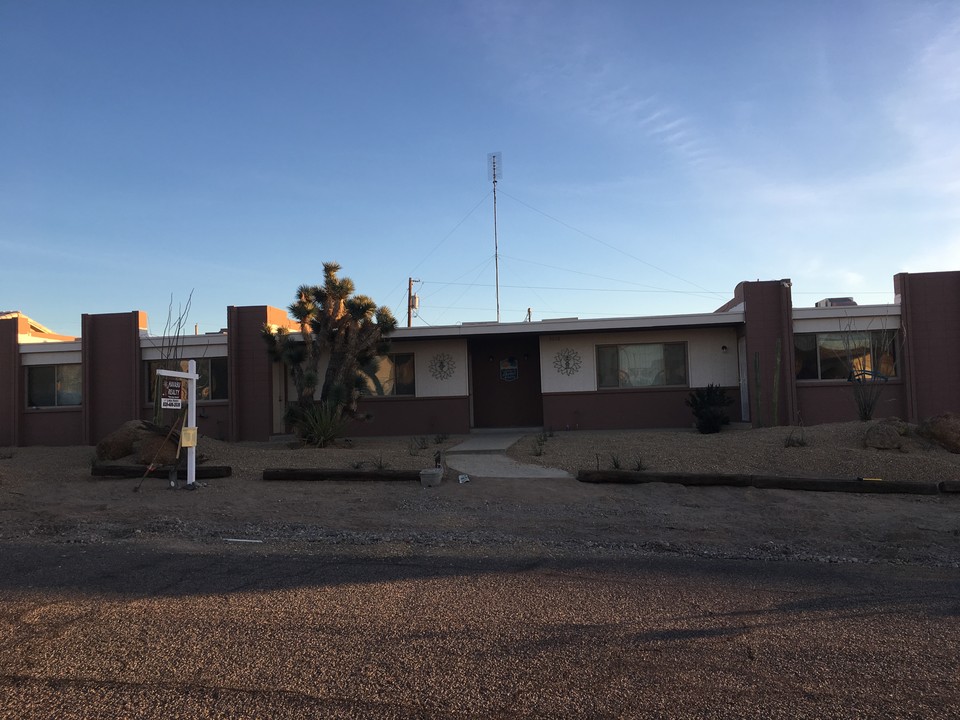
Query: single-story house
x=781, y=365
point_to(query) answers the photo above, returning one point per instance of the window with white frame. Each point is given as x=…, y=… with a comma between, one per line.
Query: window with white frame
x=54, y=385
x=394, y=375
x=861, y=355
x=212, y=384
x=642, y=365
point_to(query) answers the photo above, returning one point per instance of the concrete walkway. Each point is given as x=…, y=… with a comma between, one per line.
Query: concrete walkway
x=485, y=456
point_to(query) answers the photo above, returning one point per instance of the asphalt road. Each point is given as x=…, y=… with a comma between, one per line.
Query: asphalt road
x=160, y=630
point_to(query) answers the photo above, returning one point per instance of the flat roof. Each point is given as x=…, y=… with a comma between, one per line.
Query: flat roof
x=842, y=311
x=571, y=325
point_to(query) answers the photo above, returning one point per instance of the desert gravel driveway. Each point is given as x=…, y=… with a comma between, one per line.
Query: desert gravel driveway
x=181, y=629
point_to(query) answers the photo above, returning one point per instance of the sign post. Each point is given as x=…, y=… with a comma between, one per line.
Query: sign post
x=188, y=434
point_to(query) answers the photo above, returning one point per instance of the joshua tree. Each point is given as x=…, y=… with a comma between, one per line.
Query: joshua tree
x=349, y=330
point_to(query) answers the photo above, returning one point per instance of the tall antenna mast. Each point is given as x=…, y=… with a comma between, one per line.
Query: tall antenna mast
x=495, y=172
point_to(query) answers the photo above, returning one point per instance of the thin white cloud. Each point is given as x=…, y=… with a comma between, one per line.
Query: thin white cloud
x=577, y=75
x=926, y=111
x=854, y=219
x=922, y=124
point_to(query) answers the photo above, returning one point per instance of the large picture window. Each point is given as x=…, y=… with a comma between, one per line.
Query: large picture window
x=646, y=365
x=212, y=384
x=861, y=355
x=54, y=385
x=394, y=375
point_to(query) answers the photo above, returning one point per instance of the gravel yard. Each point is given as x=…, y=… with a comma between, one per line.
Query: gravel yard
x=48, y=495
x=833, y=450
x=490, y=598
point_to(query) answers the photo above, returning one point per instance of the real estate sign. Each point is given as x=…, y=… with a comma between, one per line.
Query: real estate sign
x=171, y=393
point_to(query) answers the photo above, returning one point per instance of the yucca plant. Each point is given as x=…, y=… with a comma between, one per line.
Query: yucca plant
x=318, y=424
x=708, y=405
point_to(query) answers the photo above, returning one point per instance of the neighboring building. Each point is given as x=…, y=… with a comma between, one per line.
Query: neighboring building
x=30, y=331
x=782, y=365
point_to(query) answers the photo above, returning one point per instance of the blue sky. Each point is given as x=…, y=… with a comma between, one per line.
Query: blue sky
x=654, y=153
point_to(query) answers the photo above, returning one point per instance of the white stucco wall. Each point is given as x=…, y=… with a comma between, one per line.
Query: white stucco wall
x=63, y=353
x=812, y=324
x=578, y=349
x=188, y=347
x=432, y=379
x=451, y=380
x=706, y=361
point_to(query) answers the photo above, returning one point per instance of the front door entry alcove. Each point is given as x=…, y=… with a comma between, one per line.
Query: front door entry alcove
x=505, y=378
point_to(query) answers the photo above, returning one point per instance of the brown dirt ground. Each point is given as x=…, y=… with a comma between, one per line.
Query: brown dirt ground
x=48, y=495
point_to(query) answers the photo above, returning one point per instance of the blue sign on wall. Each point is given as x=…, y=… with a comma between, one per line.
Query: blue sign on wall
x=509, y=369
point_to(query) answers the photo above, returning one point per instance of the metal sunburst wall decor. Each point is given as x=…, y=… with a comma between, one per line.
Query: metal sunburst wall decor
x=567, y=361
x=442, y=366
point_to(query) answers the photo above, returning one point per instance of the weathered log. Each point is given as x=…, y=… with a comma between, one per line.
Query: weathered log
x=636, y=477
x=858, y=485
x=318, y=474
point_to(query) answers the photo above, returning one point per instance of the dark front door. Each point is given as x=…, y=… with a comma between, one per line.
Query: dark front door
x=505, y=381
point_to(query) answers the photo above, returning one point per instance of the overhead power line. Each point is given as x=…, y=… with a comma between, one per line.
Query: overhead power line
x=709, y=296
x=437, y=246
x=604, y=243
x=576, y=289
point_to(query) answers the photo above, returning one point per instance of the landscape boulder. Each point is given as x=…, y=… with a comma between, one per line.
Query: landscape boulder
x=156, y=449
x=142, y=439
x=886, y=435
x=944, y=430
x=122, y=441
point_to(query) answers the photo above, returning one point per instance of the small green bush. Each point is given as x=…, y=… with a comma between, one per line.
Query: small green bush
x=538, y=442
x=708, y=405
x=796, y=438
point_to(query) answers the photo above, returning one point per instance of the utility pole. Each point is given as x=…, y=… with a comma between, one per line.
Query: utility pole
x=413, y=302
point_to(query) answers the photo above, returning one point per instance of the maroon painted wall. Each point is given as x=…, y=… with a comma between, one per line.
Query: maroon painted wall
x=819, y=403
x=413, y=416
x=54, y=427
x=619, y=409
x=111, y=372
x=213, y=418
x=768, y=314
x=250, y=371
x=11, y=405
x=930, y=317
